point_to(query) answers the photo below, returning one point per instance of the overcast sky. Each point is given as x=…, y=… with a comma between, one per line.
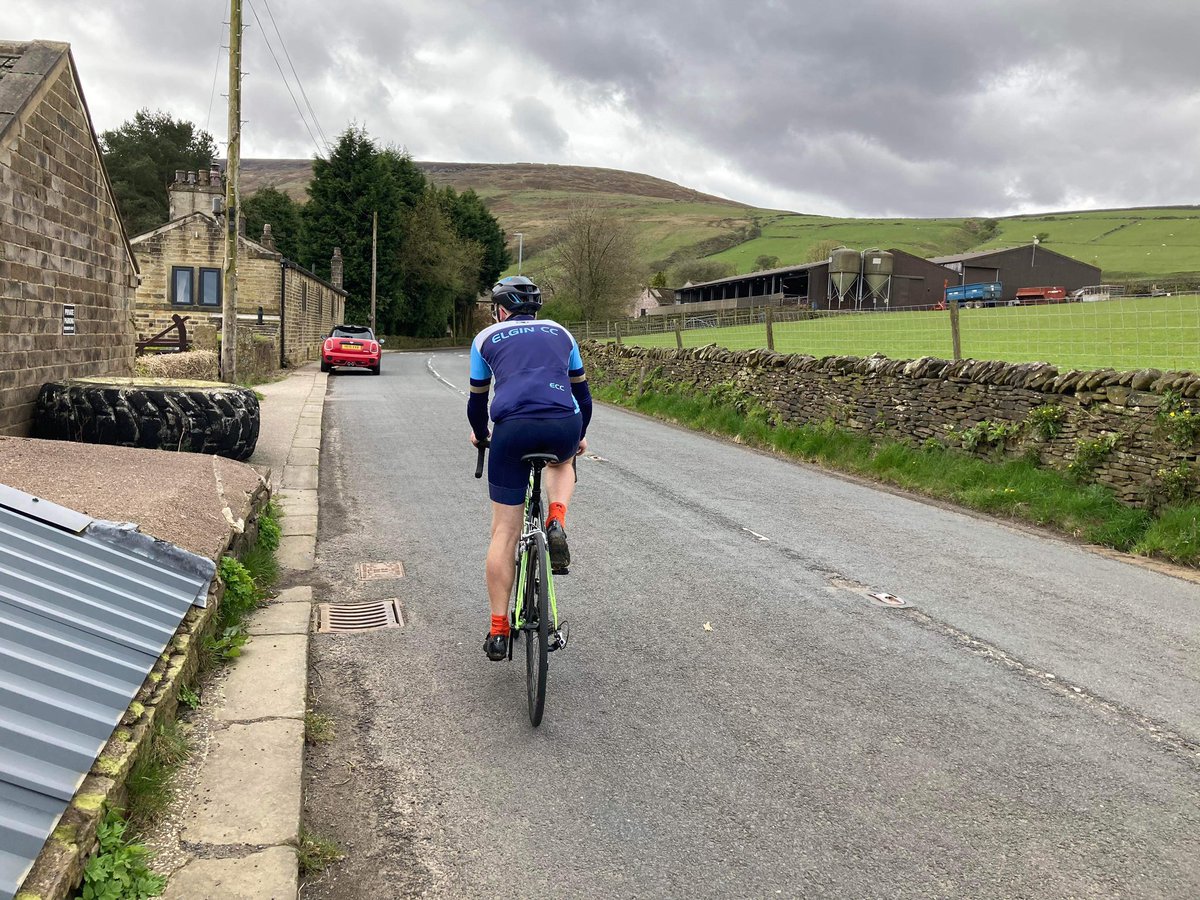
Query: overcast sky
x=857, y=107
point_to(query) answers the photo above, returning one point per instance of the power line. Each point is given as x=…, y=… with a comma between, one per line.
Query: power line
x=299, y=83
x=271, y=49
x=216, y=68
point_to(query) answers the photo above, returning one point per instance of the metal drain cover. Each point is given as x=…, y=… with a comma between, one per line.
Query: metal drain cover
x=359, y=616
x=374, y=571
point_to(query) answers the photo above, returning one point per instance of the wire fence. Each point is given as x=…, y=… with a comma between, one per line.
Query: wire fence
x=1122, y=333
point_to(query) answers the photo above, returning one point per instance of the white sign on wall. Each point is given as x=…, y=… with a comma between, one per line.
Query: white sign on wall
x=68, y=318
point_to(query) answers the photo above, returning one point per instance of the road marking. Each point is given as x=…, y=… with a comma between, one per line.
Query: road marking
x=756, y=534
x=434, y=372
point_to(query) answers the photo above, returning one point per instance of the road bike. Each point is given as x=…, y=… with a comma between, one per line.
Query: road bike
x=533, y=608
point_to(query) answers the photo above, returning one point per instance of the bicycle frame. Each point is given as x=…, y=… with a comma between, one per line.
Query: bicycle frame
x=527, y=546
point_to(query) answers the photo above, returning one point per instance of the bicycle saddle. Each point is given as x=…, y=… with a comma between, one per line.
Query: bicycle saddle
x=544, y=459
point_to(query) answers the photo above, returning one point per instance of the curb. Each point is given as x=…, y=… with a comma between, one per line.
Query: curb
x=259, y=747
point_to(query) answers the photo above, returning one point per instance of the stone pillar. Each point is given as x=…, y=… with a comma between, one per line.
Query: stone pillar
x=268, y=239
x=335, y=268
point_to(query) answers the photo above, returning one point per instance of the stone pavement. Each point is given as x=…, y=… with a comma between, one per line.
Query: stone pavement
x=244, y=813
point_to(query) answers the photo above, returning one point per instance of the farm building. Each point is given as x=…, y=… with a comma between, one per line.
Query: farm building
x=182, y=264
x=67, y=273
x=1019, y=267
x=903, y=281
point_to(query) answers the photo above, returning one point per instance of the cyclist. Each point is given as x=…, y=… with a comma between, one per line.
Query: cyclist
x=542, y=405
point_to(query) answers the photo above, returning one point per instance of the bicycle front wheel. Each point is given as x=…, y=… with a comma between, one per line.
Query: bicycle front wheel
x=538, y=625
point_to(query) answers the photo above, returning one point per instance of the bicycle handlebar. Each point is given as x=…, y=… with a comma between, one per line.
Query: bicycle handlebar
x=483, y=445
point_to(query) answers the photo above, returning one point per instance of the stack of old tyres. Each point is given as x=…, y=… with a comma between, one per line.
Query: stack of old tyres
x=160, y=414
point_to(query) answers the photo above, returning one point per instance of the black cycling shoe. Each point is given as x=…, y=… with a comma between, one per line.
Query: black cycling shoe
x=560, y=554
x=496, y=647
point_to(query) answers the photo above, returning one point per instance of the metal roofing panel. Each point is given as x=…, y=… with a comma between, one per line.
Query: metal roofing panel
x=82, y=621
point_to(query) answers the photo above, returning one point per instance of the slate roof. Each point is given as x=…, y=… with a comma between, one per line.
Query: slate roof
x=24, y=66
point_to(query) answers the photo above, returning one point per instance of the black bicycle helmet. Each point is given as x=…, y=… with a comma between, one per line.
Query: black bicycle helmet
x=518, y=295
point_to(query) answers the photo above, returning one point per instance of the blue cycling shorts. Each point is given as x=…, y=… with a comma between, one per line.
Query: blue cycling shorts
x=508, y=477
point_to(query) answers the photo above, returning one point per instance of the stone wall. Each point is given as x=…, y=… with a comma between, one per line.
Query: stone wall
x=313, y=308
x=1114, y=428
x=61, y=243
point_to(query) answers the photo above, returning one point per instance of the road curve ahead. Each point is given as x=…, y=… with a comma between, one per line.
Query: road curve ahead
x=736, y=715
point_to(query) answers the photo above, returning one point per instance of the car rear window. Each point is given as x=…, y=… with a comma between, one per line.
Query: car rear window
x=353, y=331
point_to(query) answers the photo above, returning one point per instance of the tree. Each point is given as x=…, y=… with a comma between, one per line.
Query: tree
x=474, y=224
x=819, y=252
x=698, y=270
x=440, y=269
x=765, y=262
x=141, y=158
x=346, y=189
x=596, y=263
x=269, y=206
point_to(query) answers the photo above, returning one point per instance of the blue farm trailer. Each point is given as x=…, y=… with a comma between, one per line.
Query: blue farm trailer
x=986, y=293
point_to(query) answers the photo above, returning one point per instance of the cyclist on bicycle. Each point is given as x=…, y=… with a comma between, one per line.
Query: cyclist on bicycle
x=542, y=405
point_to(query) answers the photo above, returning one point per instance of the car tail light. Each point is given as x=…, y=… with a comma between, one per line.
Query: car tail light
x=328, y=345
x=372, y=348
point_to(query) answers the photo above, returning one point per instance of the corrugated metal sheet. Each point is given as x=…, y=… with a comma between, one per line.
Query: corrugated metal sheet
x=82, y=622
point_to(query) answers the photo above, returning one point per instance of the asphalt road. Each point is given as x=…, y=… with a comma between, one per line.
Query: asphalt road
x=1029, y=726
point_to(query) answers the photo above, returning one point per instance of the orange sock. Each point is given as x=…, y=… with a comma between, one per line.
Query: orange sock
x=499, y=625
x=557, y=511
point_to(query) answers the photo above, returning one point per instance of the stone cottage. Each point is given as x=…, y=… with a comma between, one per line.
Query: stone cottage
x=67, y=273
x=182, y=266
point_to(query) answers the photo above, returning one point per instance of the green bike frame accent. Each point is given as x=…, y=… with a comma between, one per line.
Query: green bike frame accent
x=523, y=566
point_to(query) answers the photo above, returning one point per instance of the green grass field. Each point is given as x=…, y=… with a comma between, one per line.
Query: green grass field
x=1159, y=332
x=1136, y=243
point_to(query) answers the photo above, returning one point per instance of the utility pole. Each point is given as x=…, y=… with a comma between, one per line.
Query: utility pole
x=232, y=204
x=520, y=250
x=374, y=242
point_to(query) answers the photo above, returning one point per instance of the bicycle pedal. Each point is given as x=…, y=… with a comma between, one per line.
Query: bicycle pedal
x=559, y=638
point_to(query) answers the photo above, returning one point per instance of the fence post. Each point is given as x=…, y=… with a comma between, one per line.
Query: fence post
x=955, y=337
x=587, y=330
x=679, y=333
x=617, y=332
x=770, y=329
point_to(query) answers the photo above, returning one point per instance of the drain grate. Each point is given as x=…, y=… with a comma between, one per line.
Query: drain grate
x=359, y=616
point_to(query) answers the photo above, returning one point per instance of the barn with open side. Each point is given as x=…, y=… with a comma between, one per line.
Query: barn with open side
x=1032, y=265
x=876, y=279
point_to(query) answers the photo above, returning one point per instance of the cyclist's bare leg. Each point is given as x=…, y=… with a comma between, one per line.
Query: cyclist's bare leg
x=506, y=530
x=560, y=478
x=560, y=483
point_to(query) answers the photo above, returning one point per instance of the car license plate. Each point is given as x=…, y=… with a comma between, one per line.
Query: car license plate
x=346, y=346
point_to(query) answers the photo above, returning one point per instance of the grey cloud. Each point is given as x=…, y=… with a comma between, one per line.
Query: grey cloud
x=865, y=105
x=536, y=128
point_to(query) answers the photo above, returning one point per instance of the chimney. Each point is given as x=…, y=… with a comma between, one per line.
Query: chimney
x=193, y=192
x=335, y=268
x=268, y=239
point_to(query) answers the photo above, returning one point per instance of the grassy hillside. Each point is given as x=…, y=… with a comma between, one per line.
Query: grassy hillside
x=674, y=222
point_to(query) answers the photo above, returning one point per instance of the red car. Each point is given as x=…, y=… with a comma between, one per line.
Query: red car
x=351, y=345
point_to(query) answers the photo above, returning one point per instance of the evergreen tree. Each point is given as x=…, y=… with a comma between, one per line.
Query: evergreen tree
x=269, y=206
x=345, y=191
x=141, y=158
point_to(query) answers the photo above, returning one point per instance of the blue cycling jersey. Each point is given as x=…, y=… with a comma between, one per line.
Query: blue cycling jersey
x=533, y=363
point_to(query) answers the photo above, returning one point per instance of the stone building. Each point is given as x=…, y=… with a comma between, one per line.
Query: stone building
x=182, y=266
x=67, y=273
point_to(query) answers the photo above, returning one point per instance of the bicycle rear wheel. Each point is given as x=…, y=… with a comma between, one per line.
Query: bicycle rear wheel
x=538, y=625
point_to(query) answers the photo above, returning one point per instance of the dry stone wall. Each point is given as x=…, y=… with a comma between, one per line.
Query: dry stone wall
x=61, y=245
x=1135, y=432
